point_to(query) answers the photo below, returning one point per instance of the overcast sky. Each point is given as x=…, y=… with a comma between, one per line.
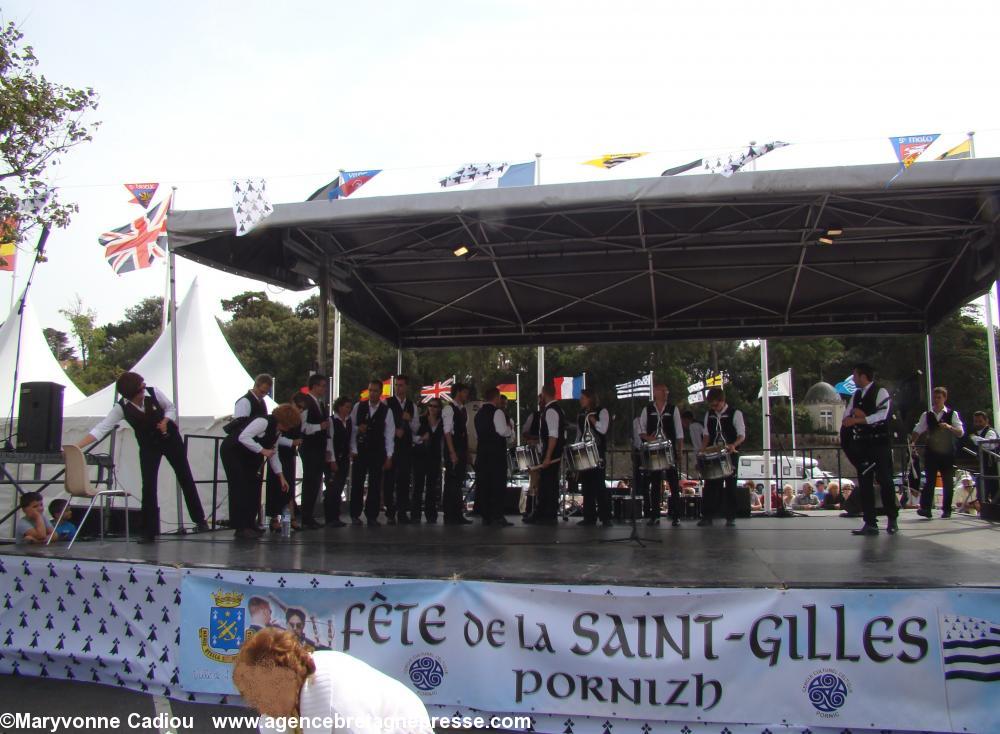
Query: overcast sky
x=194, y=93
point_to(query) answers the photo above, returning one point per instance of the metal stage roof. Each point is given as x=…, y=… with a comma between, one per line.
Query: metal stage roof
x=685, y=257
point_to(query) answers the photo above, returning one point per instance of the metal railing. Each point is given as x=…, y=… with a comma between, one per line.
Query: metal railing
x=215, y=480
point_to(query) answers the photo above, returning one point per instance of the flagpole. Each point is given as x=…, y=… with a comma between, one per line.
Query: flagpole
x=517, y=406
x=791, y=398
x=172, y=279
x=336, y=352
x=13, y=274
x=541, y=369
x=765, y=425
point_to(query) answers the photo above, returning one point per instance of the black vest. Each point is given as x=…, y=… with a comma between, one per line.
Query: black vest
x=144, y=423
x=533, y=429
x=316, y=415
x=543, y=431
x=951, y=445
x=434, y=443
x=600, y=438
x=460, y=434
x=870, y=432
x=269, y=438
x=726, y=422
x=257, y=410
x=341, y=440
x=492, y=447
x=373, y=440
x=397, y=414
x=652, y=418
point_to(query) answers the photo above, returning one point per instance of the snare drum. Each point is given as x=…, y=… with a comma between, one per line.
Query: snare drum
x=715, y=464
x=512, y=466
x=527, y=457
x=658, y=455
x=583, y=455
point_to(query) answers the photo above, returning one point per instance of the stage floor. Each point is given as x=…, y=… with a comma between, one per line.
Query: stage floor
x=808, y=550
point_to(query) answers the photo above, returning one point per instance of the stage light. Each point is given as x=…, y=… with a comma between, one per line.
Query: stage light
x=825, y=241
x=834, y=232
x=460, y=250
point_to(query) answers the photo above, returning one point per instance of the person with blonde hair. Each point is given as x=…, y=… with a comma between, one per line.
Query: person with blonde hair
x=279, y=678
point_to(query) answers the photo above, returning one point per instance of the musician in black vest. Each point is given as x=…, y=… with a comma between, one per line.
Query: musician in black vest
x=943, y=428
x=868, y=418
x=661, y=418
x=492, y=430
x=989, y=485
x=245, y=409
x=529, y=433
x=153, y=419
x=456, y=455
x=724, y=425
x=399, y=478
x=241, y=454
x=552, y=441
x=312, y=452
x=428, y=451
x=276, y=497
x=338, y=456
x=596, y=421
x=372, y=445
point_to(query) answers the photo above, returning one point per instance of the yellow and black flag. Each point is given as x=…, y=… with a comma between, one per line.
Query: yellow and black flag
x=962, y=150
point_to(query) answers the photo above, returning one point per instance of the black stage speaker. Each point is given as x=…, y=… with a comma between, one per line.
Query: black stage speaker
x=39, y=417
x=512, y=501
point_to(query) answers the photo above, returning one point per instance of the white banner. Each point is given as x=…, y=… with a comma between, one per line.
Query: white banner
x=779, y=386
x=819, y=658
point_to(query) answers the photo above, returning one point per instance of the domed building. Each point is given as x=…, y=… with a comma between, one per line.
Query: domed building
x=825, y=407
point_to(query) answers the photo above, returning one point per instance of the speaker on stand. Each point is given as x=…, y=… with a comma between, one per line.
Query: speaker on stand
x=39, y=417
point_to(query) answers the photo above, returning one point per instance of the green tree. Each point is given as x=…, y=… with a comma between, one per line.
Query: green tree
x=39, y=121
x=58, y=342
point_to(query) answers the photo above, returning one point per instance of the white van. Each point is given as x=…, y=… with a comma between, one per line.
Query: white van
x=784, y=470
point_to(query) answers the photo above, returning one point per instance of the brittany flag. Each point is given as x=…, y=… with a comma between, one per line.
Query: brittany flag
x=568, y=388
x=971, y=648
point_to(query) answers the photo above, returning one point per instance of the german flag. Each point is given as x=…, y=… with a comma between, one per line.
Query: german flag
x=962, y=150
x=8, y=244
x=508, y=390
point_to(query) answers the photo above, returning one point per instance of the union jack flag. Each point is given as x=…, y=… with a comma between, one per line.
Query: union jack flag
x=138, y=244
x=439, y=391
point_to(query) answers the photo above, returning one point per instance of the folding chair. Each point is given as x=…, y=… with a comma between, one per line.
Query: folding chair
x=78, y=485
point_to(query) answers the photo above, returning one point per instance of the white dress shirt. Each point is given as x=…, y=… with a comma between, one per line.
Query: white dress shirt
x=991, y=435
x=242, y=408
x=738, y=422
x=956, y=421
x=881, y=404
x=255, y=429
x=678, y=426
x=500, y=423
x=414, y=419
x=310, y=428
x=603, y=421
x=448, y=416
x=551, y=420
x=117, y=414
x=697, y=432
x=389, y=432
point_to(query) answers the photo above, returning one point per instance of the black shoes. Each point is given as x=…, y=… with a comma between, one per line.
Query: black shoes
x=334, y=523
x=892, y=527
x=653, y=521
x=866, y=529
x=705, y=522
x=311, y=525
x=390, y=520
x=730, y=523
x=945, y=515
x=248, y=534
x=607, y=524
x=675, y=523
x=356, y=522
x=924, y=513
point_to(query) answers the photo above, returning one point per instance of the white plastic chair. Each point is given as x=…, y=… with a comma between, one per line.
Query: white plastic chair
x=77, y=482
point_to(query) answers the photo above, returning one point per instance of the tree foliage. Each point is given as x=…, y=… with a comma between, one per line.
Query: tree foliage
x=39, y=121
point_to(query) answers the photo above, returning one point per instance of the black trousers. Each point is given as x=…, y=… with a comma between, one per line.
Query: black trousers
x=596, y=495
x=453, y=504
x=426, y=483
x=171, y=447
x=334, y=492
x=934, y=463
x=548, y=493
x=719, y=496
x=244, y=478
x=313, y=468
x=396, y=487
x=367, y=468
x=491, y=485
x=275, y=501
x=879, y=458
x=656, y=493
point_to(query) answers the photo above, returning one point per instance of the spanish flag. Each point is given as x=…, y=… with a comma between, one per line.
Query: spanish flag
x=962, y=150
x=509, y=390
x=8, y=244
x=386, y=391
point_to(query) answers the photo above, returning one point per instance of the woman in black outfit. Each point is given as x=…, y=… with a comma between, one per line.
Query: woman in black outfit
x=427, y=464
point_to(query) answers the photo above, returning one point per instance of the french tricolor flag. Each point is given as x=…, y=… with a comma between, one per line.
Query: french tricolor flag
x=568, y=388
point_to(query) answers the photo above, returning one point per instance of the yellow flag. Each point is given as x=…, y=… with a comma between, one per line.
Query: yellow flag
x=962, y=150
x=8, y=243
x=610, y=160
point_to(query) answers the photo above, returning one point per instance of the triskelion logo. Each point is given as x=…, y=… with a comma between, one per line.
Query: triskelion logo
x=426, y=672
x=827, y=691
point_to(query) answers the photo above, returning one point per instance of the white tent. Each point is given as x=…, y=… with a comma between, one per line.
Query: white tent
x=36, y=362
x=210, y=379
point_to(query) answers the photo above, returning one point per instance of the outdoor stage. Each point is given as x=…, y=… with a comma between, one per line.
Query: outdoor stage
x=508, y=621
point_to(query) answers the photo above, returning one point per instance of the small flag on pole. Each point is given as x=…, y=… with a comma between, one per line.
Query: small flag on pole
x=641, y=387
x=142, y=193
x=136, y=245
x=610, y=160
x=8, y=244
x=568, y=388
x=386, y=391
x=474, y=172
x=250, y=204
x=779, y=386
x=846, y=386
x=437, y=391
x=697, y=390
x=962, y=150
x=910, y=147
x=508, y=390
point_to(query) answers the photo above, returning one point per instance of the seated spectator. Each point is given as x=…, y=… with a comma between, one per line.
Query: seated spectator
x=788, y=496
x=33, y=527
x=755, y=503
x=775, y=498
x=966, y=500
x=66, y=529
x=622, y=486
x=832, y=500
x=805, y=499
x=821, y=490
